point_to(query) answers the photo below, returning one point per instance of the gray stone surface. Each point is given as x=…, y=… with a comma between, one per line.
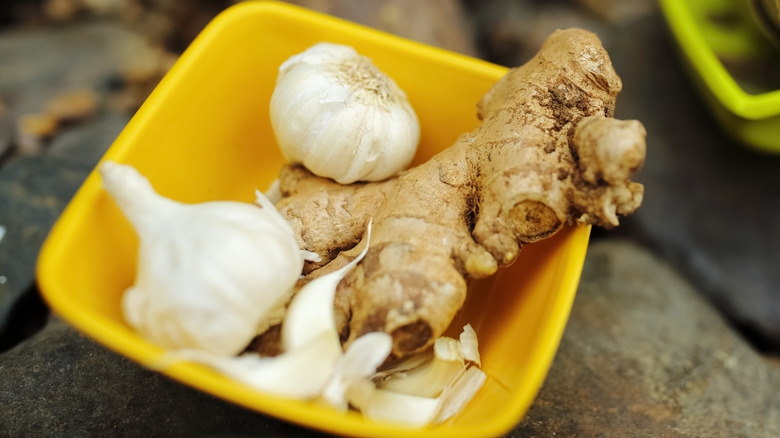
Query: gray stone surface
x=6, y=127
x=37, y=64
x=33, y=193
x=60, y=383
x=645, y=355
x=85, y=144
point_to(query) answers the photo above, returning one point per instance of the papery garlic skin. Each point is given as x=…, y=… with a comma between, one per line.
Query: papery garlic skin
x=336, y=113
x=207, y=273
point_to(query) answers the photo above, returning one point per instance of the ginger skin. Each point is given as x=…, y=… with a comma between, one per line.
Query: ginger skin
x=547, y=153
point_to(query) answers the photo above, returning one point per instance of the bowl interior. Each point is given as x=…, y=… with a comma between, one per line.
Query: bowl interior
x=204, y=134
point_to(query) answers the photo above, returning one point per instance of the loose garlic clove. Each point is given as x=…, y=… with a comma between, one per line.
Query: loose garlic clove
x=383, y=405
x=336, y=113
x=427, y=380
x=356, y=366
x=428, y=374
x=311, y=346
x=469, y=347
x=311, y=311
x=427, y=388
x=456, y=396
x=300, y=373
x=413, y=410
x=207, y=273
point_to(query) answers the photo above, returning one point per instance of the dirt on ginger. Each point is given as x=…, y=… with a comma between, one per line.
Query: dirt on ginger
x=547, y=153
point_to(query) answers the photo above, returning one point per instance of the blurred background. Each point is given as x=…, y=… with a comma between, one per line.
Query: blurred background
x=676, y=327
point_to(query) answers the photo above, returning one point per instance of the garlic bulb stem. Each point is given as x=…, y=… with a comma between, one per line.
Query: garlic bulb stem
x=139, y=202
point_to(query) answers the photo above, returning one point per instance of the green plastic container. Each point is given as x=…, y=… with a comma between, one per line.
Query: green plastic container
x=711, y=31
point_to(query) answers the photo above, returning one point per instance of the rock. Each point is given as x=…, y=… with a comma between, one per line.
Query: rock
x=645, y=355
x=6, y=130
x=61, y=10
x=32, y=130
x=41, y=63
x=60, y=383
x=33, y=193
x=140, y=76
x=620, y=11
x=440, y=23
x=511, y=32
x=78, y=62
x=710, y=205
x=73, y=106
x=85, y=144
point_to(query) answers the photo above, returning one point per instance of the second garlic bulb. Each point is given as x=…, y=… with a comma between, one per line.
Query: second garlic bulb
x=207, y=273
x=341, y=117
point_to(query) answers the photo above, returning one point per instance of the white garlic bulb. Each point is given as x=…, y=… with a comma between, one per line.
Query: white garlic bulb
x=207, y=273
x=341, y=117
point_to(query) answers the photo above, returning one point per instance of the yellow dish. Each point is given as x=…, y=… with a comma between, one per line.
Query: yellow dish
x=204, y=134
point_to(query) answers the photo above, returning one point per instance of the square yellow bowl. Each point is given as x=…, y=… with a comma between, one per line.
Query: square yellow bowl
x=204, y=134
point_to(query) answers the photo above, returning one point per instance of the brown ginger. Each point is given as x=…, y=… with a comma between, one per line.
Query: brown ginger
x=547, y=153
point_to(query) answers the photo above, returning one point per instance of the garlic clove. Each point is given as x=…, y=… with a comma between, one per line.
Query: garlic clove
x=274, y=192
x=428, y=374
x=427, y=380
x=455, y=397
x=386, y=405
x=207, y=273
x=403, y=365
x=134, y=303
x=383, y=405
x=446, y=348
x=276, y=314
x=311, y=311
x=427, y=388
x=300, y=373
x=341, y=117
x=356, y=365
x=469, y=346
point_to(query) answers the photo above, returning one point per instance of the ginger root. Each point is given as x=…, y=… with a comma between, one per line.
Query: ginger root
x=547, y=153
